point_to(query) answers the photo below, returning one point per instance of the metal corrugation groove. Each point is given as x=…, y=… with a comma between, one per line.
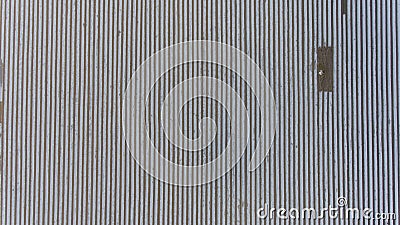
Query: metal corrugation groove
x=66, y=64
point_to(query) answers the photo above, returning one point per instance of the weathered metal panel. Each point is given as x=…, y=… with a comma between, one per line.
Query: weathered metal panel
x=65, y=66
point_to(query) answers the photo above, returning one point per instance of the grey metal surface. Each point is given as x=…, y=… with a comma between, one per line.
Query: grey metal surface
x=65, y=65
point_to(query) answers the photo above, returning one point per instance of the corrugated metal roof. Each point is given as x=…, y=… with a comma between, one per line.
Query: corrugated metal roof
x=332, y=65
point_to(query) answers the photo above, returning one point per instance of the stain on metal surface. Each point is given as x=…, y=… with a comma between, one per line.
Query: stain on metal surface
x=325, y=69
x=344, y=7
x=1, y=112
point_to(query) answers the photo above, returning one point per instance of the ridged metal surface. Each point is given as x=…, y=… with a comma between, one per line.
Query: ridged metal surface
x=65, y=65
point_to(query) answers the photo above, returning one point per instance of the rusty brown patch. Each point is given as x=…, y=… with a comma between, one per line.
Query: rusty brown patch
x=344, y=7
x=1, y=112
x=325, y=69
